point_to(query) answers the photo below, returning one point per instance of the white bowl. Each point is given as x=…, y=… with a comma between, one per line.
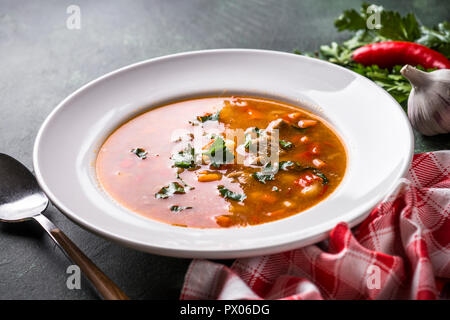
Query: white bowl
x=375, y=129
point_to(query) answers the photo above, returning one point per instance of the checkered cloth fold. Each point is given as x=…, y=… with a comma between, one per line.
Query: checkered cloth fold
x=401, y=251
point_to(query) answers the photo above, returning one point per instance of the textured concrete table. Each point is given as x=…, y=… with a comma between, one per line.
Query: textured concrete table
x=42, y=61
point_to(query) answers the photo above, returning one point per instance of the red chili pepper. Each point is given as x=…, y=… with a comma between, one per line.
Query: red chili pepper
x=390, y=53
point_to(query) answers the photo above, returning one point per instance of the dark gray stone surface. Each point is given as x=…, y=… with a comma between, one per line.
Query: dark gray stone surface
x=42, y=62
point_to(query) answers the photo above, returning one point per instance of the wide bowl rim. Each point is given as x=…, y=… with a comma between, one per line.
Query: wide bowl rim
x=352, y=218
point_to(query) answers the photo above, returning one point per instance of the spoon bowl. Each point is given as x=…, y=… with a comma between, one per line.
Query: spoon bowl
x=21, y=198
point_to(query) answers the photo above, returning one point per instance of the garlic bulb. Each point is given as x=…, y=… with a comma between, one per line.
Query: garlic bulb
x=429, y=100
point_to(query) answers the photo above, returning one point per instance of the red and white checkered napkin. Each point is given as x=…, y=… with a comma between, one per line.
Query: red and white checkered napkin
x=401, y=251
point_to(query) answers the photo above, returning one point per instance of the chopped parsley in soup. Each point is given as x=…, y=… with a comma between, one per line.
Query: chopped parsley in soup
x=221, y=162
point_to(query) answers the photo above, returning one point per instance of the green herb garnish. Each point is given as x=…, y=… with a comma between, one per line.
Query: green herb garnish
x=266, y=174
x=188, y=187
x=286, y=145
x=437, y=38
x=249, y=136
x=263, y=177
x=318, y=173
x=170, y=190
x=178, y=208
x=185, y=158
x=226, y=193
x=141, y=153
x=209, y=117
x=393, y=27
x=218, y=153
x=284, y=165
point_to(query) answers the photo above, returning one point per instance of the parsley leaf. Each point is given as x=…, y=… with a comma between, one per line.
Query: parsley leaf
x=390, y=80
x=437, y=38
x=176, y=208
x=350, y=20
x=249, y=136
x=396, y=27
x=284, y=165
x=286, y=145
x=393, y=27
x=266, y=174
x=289, y=165
x=188, y=187
x=218, y=153
x=336, y=53
x=209, y=117
x=320, y=174
x=226, y=193
x=263, y=177
x=316, y=171
x=170, y=190
x=185, y=158
x=141, y=153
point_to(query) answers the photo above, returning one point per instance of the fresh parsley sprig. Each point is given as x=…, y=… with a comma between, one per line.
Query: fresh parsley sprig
x=218, y=153
x=393, y=27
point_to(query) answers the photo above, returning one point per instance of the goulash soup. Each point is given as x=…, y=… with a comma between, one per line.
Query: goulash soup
x=221, y=162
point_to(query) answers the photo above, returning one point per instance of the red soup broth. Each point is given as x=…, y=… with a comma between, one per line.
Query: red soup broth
x=147, y=166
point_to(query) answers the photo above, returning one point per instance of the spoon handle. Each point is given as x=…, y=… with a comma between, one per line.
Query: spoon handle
x=105, y=286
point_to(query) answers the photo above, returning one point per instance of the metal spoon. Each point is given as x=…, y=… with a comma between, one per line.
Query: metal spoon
x=22, y=199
